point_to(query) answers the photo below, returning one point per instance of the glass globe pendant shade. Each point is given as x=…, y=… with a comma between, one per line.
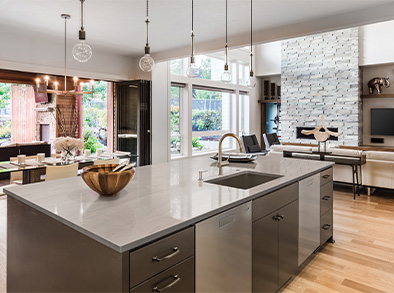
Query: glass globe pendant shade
x=192, y=70
x=147, y=63
x=226, y=75
x=82, y=52
x=251, y=82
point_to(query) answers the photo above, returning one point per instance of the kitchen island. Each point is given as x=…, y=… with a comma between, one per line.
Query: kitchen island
x=62, y=236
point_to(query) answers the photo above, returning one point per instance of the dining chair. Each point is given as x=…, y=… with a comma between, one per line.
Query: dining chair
x=106, y=162
x=251, y=145
x=59, y=172
x=270, y=139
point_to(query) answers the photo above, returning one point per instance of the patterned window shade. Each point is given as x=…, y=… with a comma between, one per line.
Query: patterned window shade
x=23, y=121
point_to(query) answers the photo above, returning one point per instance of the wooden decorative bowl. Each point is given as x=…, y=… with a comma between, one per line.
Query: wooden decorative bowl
x=101, y=179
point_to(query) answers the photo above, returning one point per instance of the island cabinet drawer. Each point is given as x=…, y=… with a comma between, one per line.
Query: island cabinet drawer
x=268, y=203
x=326, y=176
x=179, y=278
x=160, y=255
x=326, y=194
x=326, y=227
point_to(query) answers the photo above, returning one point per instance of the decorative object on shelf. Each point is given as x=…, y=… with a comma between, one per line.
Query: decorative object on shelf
x=266, y=89
x=43, y=88
x=273, y=90
x=146, y=62
x=226, y=76
x=104, y=181
x=68, y=146
x=82, y=52
x=278, y=91
x=377, y=83
x=192, y=70
x=251, y=82
x=321, y=136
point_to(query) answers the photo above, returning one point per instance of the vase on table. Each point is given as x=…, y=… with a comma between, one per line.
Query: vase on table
x=68, y=155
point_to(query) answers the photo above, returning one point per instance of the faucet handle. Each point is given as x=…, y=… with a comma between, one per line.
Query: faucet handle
x=200, y=174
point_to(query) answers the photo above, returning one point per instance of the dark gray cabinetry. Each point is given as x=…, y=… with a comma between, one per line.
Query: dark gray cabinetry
x=326, y=206
x=309, y=217
x=275, y=239
x=166, y=263
x=178, y=278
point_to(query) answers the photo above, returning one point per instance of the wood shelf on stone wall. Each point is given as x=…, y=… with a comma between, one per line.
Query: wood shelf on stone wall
x=270, y=101
x=377, y=96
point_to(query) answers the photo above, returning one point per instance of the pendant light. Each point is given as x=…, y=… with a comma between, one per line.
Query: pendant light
x=82, y=52
x=193, y=70
x=146, y=62
x=251, y=82
x=226, y=76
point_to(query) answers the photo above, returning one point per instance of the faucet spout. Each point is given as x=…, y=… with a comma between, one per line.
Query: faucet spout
x=220, y=163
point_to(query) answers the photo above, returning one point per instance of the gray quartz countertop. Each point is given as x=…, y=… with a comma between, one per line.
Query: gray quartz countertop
x=159, y=200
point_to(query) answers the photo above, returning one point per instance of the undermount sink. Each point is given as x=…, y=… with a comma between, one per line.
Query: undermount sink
x=244, y=179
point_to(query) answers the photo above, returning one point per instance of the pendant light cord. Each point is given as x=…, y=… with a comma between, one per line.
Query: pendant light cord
x=251, y=36
x=147, y=23
x=192, y=15
x=82, y=28
x=226, y=22
x=226, y=47
x=192, y=55
x=65, y=54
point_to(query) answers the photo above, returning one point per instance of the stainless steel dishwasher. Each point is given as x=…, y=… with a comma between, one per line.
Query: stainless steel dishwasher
x=224, y=251
x=309, y=217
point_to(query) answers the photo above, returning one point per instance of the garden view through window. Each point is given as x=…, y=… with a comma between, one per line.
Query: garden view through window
x=210, y=119
x=175, y=121
x=17, y=103
x=94, y=117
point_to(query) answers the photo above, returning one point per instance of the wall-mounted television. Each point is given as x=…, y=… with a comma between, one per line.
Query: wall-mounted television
x=382, y=121
x=40, y=94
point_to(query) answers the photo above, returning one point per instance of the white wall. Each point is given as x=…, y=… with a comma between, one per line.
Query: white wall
x=33, y=54
x=376, y=43
x=268, y=59
x=160, y=113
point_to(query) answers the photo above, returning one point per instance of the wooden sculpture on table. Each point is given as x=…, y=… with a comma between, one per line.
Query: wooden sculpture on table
x=321, y=136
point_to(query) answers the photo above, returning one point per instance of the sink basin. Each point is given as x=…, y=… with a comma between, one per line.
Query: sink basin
x=244, y=179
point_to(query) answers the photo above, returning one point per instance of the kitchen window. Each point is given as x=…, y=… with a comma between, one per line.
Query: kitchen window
x=211, y=118
x=175, y=116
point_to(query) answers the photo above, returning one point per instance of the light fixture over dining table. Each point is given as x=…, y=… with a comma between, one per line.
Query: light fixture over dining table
x=43, y=87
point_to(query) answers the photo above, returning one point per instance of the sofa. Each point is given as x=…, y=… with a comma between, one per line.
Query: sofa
x=23, y=148
x=378, y=171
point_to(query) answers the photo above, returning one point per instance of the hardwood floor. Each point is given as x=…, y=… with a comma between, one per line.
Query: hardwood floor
x=361, y=259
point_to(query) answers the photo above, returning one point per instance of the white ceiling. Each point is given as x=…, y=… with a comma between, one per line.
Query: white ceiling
x=118, y=26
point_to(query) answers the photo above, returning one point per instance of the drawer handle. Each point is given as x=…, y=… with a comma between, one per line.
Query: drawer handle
x=327, y=197
x=326, y=176
x=176, y=280
x=159, y=259
x=326, y=226
x=278, y=217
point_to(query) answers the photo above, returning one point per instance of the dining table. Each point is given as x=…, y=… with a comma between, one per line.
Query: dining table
x=33, y=169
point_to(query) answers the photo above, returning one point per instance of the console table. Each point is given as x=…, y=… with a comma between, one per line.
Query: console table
x=353, y=161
